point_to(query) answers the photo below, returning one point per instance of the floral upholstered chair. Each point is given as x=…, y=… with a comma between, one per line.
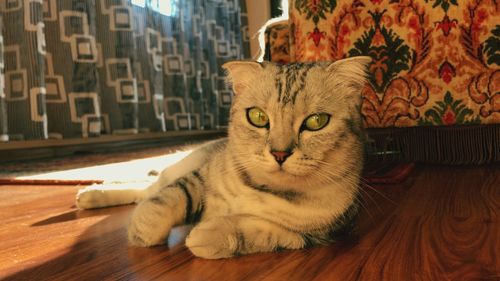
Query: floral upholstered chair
x=434, y=89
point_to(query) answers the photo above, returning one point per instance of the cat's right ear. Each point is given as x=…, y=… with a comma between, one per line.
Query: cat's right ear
x=241, y=73
x=352, y=71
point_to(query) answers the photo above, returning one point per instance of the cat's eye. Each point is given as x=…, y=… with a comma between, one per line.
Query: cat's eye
x=316, y=121
x=257, y=117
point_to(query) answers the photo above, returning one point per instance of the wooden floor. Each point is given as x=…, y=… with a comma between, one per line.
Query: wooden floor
x=443, y=223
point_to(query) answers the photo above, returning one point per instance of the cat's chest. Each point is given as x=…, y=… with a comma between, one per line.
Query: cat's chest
x=227, y=194
x=294, y=211
x=232, y=197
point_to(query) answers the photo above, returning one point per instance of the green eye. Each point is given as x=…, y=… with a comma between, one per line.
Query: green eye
x=257, y=117
x=316, y=121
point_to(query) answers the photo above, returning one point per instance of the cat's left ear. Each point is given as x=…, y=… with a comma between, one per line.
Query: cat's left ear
x=241, y=73
x=353, y=70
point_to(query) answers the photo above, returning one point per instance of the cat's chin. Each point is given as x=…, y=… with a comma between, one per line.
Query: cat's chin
x=282, y=179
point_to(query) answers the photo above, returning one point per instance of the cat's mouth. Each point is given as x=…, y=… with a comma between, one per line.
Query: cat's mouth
x=282, y=171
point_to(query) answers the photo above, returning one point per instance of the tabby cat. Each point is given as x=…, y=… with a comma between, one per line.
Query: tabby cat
x=286, y=177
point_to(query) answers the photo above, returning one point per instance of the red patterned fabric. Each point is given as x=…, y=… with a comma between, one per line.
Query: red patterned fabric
x=435, y=62
x=277, y=41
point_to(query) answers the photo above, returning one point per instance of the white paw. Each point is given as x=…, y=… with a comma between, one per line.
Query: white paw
x=110, y=194
x=90, y=198
x=213, y=239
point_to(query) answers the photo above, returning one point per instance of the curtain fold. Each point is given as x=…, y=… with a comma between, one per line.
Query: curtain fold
x=85, y=68
x=3, y=109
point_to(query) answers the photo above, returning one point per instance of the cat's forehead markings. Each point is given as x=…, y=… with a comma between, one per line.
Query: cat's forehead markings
x=290, y=81
x=278, y=82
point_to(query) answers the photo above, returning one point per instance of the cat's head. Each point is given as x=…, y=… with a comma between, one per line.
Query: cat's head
x=296, y=124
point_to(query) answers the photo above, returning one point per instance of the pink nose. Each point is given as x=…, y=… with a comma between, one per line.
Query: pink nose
x=280, y=156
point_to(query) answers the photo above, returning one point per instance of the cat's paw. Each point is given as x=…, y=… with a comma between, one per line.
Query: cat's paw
x=110, y=194
x=146, y=228
x=143, y=238
x=213, y=239
x=90, y=198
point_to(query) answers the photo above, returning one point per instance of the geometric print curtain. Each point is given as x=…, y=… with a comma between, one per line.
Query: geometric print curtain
x=84, y=68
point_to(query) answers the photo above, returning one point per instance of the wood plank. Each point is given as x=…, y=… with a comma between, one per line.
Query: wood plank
x=441, y=224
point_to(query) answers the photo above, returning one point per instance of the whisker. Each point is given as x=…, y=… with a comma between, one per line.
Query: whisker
x=367, y=194
x=358, y=199
x=361, y=179
x=377, y=191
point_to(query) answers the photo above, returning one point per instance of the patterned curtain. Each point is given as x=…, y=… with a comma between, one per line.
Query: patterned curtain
x=84, y=68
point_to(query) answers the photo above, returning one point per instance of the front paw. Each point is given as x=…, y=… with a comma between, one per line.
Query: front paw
x=91, y=197
x=146, y=229
x=140, y=238
x=213, y=239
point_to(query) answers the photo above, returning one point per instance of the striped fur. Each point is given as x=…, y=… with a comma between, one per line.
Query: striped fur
x=240, y=199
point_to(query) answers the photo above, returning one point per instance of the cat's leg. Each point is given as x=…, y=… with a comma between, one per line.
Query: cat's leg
x=112, y=194
x=227, y=236
x=178, y=203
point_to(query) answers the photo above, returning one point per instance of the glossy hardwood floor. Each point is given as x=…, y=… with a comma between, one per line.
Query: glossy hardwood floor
x=443, y=223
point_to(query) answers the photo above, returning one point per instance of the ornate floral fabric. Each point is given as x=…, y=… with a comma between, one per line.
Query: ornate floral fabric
x=277, y=41
x=435, y=62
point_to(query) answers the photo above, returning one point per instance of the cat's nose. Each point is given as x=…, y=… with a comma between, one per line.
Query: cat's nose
x=281, y=156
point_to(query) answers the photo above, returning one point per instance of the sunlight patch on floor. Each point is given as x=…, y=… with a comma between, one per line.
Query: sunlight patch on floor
x=134, y=170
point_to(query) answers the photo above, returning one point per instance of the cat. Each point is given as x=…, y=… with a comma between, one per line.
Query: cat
x=286, y=177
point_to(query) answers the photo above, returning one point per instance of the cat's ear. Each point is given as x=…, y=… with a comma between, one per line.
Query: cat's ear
x=241, y=73
x=353, y=70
